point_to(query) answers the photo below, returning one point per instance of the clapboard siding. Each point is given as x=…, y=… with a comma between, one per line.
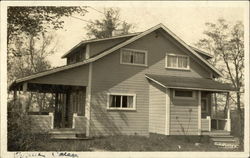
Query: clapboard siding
x=205, y=124
x=98, y=47
x=184, y=114
x=40, y=123
x=77, y=76
x=157, y=108
x=111, y=76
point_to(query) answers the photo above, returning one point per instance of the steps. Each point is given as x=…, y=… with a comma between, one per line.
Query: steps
x=67, y=133
x=223, y=139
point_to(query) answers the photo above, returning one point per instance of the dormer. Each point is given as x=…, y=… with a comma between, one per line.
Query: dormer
x=79, y=54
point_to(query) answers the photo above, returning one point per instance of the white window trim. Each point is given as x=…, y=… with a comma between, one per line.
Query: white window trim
x=178, y=68
x=121, y=94
x=205, y=98
x=135, y=50
x=177, y=97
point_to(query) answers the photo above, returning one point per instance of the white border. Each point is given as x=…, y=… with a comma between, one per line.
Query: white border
x=3, y=76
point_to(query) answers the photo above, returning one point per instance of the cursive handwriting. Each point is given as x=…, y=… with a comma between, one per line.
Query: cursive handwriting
x=45, y=155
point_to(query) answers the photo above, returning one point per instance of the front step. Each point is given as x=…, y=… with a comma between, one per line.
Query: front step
x=67, y=133
x=224, y=139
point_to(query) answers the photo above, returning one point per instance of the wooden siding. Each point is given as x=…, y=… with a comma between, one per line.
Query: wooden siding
x=183, y=116
x=77, y=76
x=111, y=76
x=204, y=124
x=41, y=123
x=157, y=108
x=80, y=123
x=97, y=47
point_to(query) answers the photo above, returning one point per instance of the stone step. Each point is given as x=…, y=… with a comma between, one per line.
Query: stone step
x=221, y=136
x=224, y=139
x=71, y=138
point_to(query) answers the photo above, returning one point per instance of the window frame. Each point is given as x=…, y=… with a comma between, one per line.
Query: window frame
x=177, y=55
x=178, y=97
x=121, y=108
x=134, y=50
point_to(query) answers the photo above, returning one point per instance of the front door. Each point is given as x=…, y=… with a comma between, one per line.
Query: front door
x=60, y=110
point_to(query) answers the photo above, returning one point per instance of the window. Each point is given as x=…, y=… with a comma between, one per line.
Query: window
x=134, y=57
x=183, y=94
x=177, y=61
x=204, y=105
x=121, y=101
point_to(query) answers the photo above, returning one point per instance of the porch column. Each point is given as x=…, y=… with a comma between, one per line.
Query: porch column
x=199, y=112
x=88, y=101
x=228, y=114
x=25, y=97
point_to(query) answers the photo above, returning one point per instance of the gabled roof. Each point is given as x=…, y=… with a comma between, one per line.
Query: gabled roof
x=133, y=38
x=207, y=55
x=189, y=83
x=98, y=40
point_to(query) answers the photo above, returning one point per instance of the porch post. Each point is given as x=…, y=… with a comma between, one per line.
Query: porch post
x=167, y=124
x=228, y=114
x=88, y=101
x=25, y=98
x=199, y=112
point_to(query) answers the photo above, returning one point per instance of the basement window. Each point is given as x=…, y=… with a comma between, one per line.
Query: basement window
x=118, y=101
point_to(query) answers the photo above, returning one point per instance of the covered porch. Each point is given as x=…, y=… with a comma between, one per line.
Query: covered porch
x=63, y=101
x=192, y=106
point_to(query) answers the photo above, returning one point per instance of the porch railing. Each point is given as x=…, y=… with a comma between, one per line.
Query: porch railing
x=79, y=122
x=41, y=123
x=206, y=124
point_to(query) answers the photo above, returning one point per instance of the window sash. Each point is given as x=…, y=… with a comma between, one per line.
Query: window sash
x=134, y=57
x=177, y=61
x=118, y=101
x=181, y=94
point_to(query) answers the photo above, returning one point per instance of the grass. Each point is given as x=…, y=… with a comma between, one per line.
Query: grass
x=154, y=142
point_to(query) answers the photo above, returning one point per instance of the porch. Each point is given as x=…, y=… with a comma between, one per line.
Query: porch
x=191, y=105
x=64, y=108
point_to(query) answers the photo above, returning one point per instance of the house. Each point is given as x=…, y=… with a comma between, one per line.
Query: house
x=140, y=83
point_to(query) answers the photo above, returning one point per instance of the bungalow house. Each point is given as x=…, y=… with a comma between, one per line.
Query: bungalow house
x=140, y=83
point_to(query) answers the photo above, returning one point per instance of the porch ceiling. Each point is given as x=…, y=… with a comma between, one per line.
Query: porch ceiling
x=190, y=83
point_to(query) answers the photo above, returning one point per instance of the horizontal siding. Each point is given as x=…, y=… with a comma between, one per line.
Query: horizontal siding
x=157, y=108
x=111, y=76
x=204, y=124
x=40, y=123
x=183, y=116
x=97, y=47
x=76, y=76
x=80, y=123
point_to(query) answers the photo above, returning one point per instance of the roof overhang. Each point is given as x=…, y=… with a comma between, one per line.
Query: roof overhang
x=177, y=82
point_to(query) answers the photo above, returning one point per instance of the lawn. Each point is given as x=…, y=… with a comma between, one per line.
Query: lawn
x=154, y=142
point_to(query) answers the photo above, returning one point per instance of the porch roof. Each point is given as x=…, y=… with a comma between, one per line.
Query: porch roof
x=190, y=83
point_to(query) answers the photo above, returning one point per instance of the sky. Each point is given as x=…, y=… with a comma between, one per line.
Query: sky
x=186, y=20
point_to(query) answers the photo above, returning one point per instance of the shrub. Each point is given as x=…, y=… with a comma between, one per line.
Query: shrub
x=20, y=136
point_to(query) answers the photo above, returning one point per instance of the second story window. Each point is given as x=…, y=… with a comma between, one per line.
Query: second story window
x=177, y=61
x=133, y=57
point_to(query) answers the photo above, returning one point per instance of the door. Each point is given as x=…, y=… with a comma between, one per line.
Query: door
x=60, y=110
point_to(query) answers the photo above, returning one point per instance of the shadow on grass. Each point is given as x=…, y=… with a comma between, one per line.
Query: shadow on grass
x=154, y=142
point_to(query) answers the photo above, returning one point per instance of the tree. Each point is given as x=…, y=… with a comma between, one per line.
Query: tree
x=34, y=20
x=103, y=28
x=227, y=45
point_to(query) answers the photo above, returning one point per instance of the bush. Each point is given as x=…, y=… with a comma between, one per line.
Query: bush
x=20, y=136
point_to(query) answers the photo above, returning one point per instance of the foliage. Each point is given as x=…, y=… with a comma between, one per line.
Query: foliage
x=20, y=137
x=226, y=42
x=103, y=28
x=34, y=20
x=155, y=142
